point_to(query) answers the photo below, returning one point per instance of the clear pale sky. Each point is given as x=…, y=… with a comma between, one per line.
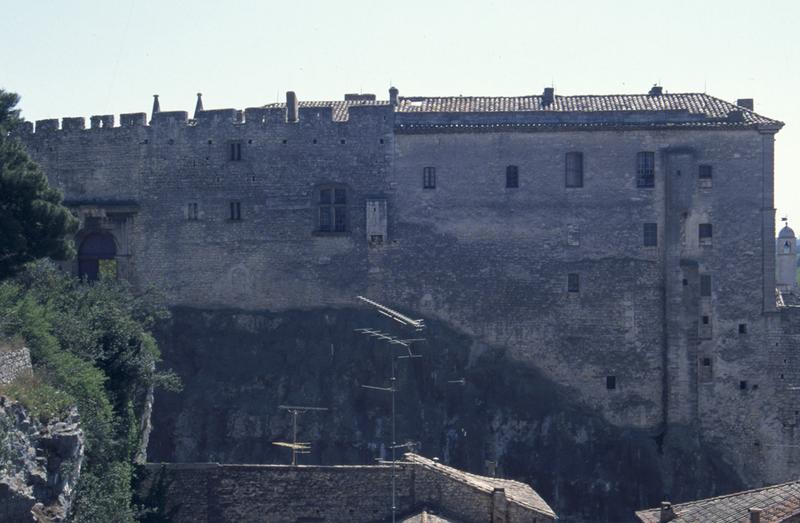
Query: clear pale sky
x=78, y=58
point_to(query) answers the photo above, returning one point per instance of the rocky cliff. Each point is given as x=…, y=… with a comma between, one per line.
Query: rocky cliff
x=39, y=464
x=467, y=403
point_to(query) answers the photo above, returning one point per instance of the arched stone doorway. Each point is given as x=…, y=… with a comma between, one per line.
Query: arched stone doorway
x=96, y=256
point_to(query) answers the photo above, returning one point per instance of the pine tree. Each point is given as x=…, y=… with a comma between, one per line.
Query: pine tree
x=33, y=222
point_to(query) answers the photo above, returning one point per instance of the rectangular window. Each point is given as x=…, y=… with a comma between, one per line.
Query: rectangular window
x=340, y=219
x=704, y=176
x=705, y=233
x=611, y=382
x=742, y=328
x=236, y=211
x=325, y=219
x=574, y=170
x=191, y=211
x=429, y=178
x=573, y=235
x=573, y=282
x=705, y=285
x=645, y=169
x=512, y=177
x=332, y=209
x=235, y=151
x=650, y=234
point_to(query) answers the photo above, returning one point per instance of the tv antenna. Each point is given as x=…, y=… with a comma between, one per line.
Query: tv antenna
x=298, y=447
x=393, y=314
x=392, y=388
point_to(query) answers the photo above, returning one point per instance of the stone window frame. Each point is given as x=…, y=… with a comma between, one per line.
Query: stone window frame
x=645, y=169
x=235, y=151
x=573, y=170
x=573, y=282
x=331, y=203
x=705, y=285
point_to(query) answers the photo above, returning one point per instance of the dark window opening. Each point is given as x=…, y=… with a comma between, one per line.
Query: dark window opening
x=235, y=151
x=236, y=211
x=705, y=320
x=314, y=140
x=685, y=282
x=429, y=177
x=332, y=214
x=192, y=211
x=611, y=382
x=342, y=142
x=706, y=362
x=574, y=169
x=704, y=175
x=97, y=257
x=512, y=177
x=284, y=142
x=705, y=233
x=376, y=239
x=743, y=385
x=742, y=328
x=645, y=169
x=705, y=285
x=650, y=234
x=573, y=282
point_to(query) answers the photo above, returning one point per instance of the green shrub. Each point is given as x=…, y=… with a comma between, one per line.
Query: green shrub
x=43, y=401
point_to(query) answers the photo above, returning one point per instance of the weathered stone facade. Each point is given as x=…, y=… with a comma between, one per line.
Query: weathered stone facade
x=223, y=211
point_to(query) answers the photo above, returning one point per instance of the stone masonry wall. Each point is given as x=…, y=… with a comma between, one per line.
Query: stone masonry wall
x=14, y=362
x=278, y=493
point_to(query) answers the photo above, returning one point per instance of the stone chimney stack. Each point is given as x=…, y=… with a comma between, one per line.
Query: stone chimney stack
x=745, y=103
x=548, y=96
x=198, y=107
x=156, y=106
x=667, y=513
x=393, y=95
x=291, y=107
x=755, y=515
x=656, y=90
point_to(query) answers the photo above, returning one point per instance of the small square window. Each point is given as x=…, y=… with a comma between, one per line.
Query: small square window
x=645, y=169
x=650, y=234
x=705, y=285
x=743, y=385
x=512, y=177
x=704, y=176
x=573, y=282
x=742, y=328
x=236, y=211
x=574, y=169
x=705, y=233
x=429, y=178
x=611, y=382
x=706, y=362
x=235, y=151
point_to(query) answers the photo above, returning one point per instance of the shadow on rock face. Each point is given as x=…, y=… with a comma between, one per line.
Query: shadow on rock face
x=469, y=405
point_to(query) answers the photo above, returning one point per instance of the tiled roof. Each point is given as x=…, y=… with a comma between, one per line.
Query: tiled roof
x=516, y=491
x=699, y=109
x=777, y=502
x=426, y=517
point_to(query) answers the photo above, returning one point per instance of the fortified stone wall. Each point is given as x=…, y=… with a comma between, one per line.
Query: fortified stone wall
x=640, y=341
x=14, y=362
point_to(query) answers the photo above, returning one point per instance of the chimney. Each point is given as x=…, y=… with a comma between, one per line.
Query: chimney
x=656, y=90
x=755, y=515
x=291, y=106
x=393, y=92
x=667, y=514
x=156, y=106
x=746, y=103
x=198, y=108
x=548, y=96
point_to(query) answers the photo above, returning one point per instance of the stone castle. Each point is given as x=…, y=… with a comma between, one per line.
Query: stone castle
x=622, y=245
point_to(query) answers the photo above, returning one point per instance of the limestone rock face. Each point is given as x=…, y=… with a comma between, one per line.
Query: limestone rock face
x=39, y=464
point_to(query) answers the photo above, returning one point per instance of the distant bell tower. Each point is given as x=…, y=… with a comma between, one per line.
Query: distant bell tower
x=786, y=266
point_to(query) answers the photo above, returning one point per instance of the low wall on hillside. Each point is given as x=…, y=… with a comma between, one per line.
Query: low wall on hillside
x=210, y=492
x=13, y=362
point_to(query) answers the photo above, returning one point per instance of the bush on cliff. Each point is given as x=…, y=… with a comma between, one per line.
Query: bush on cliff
x=91, y=344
